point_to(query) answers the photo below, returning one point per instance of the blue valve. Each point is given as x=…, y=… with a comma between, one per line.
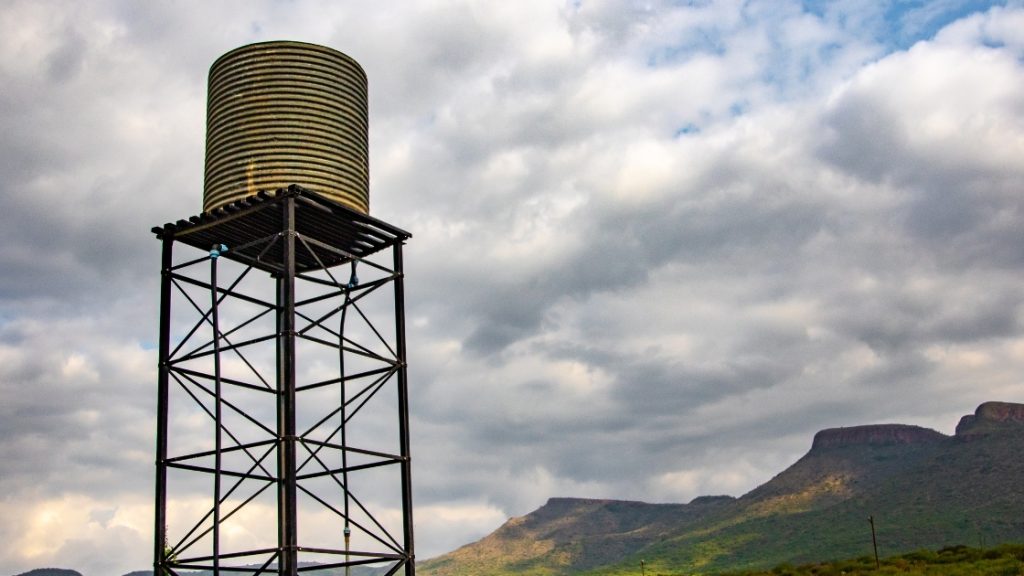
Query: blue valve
x=217, y=250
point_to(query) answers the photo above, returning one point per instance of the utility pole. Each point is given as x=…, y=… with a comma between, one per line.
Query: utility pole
x=874, y=541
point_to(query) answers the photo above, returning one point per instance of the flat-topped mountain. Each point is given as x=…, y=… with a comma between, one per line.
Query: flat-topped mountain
x=875, y=435
x=991, y=417
x=923, y=488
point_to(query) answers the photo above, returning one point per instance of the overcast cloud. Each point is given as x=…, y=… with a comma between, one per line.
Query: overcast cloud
x=656, y=247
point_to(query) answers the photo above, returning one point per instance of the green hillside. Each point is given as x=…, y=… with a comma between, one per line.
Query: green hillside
x=924, y=489
x=1003, y=560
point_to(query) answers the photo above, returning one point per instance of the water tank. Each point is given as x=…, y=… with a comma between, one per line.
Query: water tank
x=282, y=113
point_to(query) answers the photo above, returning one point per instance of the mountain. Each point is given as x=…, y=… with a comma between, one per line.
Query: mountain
x=924, y=489
x=50, y=572
x=573, y=532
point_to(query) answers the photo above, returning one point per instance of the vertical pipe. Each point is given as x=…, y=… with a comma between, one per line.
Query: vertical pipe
x=343, y=415
x=160, y=527
x=217, y=411
x=286, y=343
x=403, y=412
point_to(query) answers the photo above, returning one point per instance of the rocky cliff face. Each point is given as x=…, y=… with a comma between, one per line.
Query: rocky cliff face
x=875, y=435
x=988, y=417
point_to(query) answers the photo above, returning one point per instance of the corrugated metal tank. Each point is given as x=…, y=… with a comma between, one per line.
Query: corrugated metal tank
x=282, y=113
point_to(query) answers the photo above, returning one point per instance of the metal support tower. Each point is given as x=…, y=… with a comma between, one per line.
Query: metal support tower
x=282, y=414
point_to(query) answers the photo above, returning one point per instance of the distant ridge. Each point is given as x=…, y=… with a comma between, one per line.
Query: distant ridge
x=50, y=572
x=924, y=489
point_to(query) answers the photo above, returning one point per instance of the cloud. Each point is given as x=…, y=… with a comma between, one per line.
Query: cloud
x=656, y=246
x=76, y=530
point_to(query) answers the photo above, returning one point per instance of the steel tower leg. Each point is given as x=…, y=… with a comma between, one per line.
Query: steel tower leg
x=288, y=520
x=160, y=516
x=403, y=412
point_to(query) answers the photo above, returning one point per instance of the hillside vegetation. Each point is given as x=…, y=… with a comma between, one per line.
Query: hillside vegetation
x=924, y=489
x=1005, y=560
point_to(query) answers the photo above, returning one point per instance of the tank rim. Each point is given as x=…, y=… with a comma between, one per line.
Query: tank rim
x=283, y=43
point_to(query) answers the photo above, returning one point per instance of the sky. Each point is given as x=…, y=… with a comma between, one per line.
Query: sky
x=656, y=245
